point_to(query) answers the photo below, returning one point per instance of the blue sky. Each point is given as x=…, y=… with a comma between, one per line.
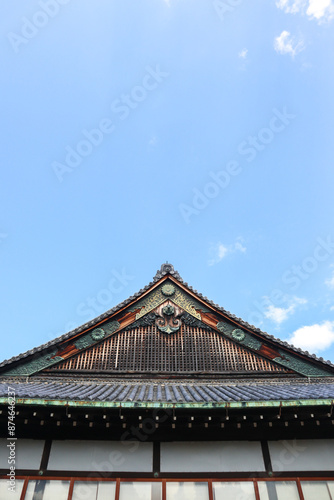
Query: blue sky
x=194, y=131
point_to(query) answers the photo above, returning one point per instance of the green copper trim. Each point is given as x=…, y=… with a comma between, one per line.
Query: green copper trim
x=149, y=303
x=286, y=359
x=35, y=365
x=240, y=336
x=43, y=361
x=97, y=334
x=188, y=304
x=158, y=296
x=140, y=404
x=300, y=366
x=189, y=320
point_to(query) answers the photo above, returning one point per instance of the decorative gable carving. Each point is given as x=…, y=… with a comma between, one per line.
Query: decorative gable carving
x=169, y=340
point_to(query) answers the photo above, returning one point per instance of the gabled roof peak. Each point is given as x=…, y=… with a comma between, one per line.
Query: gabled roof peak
x=166, y=268
x=183, y=295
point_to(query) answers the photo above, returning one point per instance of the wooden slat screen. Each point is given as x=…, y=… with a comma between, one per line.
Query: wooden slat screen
x=190, y=350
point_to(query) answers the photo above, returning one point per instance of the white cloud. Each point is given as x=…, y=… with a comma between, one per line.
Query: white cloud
x=330, y=281
x=222, y=251
x=291, y=7
x=314, y=337
x=243, y=53
x=286, y=44
x=321, y=10
x=280, y=314
x=239, y=247
x=219, y=251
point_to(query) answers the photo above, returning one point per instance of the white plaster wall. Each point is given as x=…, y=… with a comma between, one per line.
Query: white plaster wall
x=101, y=456
x=28, y=453
x=302, y=455
x=220, y=456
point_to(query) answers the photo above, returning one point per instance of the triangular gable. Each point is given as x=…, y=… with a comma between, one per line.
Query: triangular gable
x=168, y=340
x=168, y=286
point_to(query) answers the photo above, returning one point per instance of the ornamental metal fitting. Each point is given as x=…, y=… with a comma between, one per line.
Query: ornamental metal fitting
x=169, y=310
x=168, y=290
x=168, y=320
x=238, y=334
x=98, y=334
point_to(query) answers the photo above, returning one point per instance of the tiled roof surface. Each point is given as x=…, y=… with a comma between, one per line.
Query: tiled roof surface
x=166, y=269
x=171, y=392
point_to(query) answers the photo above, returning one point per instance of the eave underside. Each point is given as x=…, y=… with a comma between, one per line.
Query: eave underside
x=159, y=422
x=140, y=410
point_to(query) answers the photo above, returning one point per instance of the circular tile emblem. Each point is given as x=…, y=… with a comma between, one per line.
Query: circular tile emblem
x=168, y=290
x=238, y=335
x=97, y=334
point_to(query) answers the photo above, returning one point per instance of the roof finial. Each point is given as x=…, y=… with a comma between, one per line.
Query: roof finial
x=167, y=268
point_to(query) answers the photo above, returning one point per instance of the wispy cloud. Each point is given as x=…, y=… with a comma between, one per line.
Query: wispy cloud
x=317, y=337
x=286, y=44
x=330, y=281
x=152, y=143
x=321, y=10
x=239, y=247
x=291, y=7
x=280, y=314
x=243, y=53
x=219, y=251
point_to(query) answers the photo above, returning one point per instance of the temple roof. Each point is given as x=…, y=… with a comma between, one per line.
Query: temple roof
x=164, y=393
x=167, y=327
